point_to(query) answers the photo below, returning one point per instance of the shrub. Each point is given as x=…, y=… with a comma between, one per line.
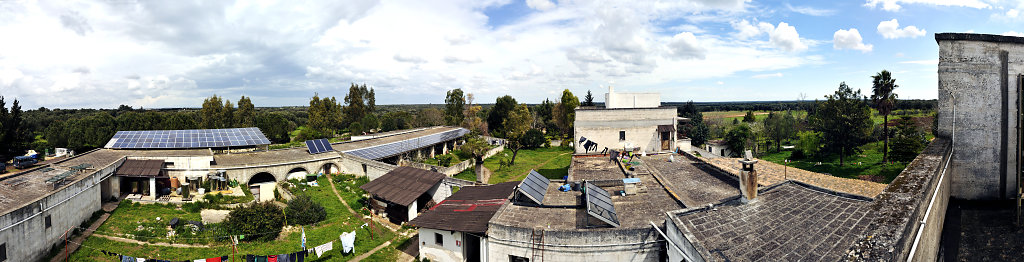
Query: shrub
x=257, y=221
x=533, y=138
x=302, y=210
x=809, y=143
x=446, y=160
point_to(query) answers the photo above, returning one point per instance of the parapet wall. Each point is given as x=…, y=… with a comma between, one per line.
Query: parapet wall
x=589, y=245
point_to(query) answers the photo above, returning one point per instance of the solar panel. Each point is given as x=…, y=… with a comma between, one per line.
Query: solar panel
x=534, y=187
x=195, y=138
x=392, y=149
x=319, y=146
x=599, y=204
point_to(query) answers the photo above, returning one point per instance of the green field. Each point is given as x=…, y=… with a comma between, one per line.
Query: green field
x=864, y=165
x=552, y=162
x=339, y=220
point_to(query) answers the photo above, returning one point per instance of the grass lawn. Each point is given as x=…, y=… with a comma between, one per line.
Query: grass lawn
x=866, y=163
x=552, y=162
x=338, y=220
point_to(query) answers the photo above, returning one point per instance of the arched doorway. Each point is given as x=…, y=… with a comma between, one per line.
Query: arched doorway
x=262, y=186
x=297, y=173
x=330, y=168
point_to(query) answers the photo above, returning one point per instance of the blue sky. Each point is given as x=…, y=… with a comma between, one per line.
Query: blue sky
x=173, y=54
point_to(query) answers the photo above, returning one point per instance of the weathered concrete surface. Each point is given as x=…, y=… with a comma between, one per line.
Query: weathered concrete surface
x=899, y=209
x=978, y=76
x=602, y=126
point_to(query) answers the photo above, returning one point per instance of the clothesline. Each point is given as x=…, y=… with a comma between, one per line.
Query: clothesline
x=319, y=250
x=152, y=237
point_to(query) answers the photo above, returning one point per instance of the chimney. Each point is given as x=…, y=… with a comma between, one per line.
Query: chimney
x=748, y=178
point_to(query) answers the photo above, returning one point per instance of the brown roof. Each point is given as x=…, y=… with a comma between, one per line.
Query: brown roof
x=403, y=184
x=141, y=168
x=468, y=210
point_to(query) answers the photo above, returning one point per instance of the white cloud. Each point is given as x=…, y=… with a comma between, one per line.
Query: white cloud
x=850, y=39
x=1013, y=33
x=785, y=37
x=542, y=5
x=811, y=11
x=890, y=30
x=894, y=5
x=685, y=46
x=409, y=59
x=767, y=75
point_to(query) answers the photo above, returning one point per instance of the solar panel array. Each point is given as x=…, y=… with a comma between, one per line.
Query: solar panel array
x=599, y=204
x=318, y=146
x=392, y=149
x=195, y=138
x=534, y=187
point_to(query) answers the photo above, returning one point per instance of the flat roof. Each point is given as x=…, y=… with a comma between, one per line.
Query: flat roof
x=788, y=222
x=979, y=37
x=633, y=211
x=696, y=183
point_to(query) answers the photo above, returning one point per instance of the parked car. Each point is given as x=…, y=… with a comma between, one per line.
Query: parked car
x=22, y=162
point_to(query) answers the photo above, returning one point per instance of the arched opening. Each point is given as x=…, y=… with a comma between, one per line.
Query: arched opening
x=297, y=173
x=330, y=168
x=263, y=177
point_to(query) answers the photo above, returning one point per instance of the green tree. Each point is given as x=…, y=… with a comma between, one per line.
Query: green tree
x=396, y=120
x=131, y=120
x=370, y=122
x=355, y=106
x=738, y=139
x=13, y=137
x=302, y=210
x=477, y=147
x=454, y=105
x=180, y=121
x=749, y=117
x=588, y=100
x=211, y=113
x=779, y=127
x=245, y=116
x=371, y=101
x=91, y=131
x=808, y=143
x=324, y=115
x=227, y=115
x=844, y=121
x=275, y=126
x=516, y=124
x=257, y=221
x=503, y=106
x=429, y=117
x=908, y=141
x=532, y=139
x=695, y=129
x=882, y=86
x=565, y=112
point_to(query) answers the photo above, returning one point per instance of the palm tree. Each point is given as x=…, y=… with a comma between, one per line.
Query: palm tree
x=882, y=85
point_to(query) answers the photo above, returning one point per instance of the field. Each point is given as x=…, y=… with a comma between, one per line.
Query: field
x=339, y=220
x=552, y=162
x=865, y=165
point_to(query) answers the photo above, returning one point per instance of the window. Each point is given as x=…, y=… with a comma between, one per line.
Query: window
x=47, y=221
x=622, y=135
x=3, y=252
x=438, y=239
x=512, y=258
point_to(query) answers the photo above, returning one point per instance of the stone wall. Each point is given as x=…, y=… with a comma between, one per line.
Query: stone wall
x=978, y=76
x=589, y=245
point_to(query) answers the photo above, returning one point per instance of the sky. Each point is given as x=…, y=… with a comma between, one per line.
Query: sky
x=159, y=54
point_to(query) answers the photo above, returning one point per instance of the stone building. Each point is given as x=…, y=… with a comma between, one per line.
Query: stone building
x=628, y=121
x=405, y=191
x=980, y=78
x=456, y=228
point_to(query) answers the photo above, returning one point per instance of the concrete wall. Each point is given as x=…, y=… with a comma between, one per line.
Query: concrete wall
x=593, y=245
x=603, y=125
x=982, y=76
x=631, y=100
x=449, y=251
x=24, y=231
x=685, y=145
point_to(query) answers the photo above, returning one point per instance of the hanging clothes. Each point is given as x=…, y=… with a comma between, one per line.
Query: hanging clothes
x=215, y=259
x=261, y=258
x=127, y=259
x=199, y=260
x=322, y=249
x=283, y=258
x=348, y=240
x=299, y=256
x=272, y=258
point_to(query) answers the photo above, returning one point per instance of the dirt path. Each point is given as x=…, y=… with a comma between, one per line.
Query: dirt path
x=133, y=241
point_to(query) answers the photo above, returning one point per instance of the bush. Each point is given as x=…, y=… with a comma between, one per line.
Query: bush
x=462, y=154
x=809, y=143
x=908, y=141
x=257, y=221
x=532, y=139
x=302, y=210
x=446, y=160
x=797, y=155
